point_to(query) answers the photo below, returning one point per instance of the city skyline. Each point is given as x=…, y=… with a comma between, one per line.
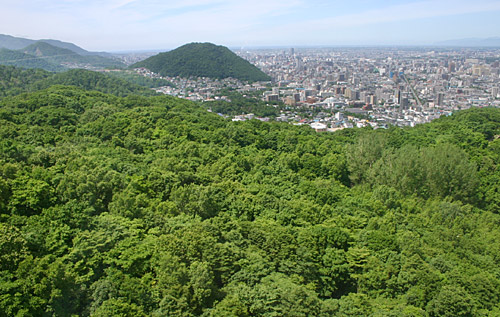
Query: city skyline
x=118, y=25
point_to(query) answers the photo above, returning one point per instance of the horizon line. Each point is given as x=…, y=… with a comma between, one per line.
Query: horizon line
x=318, y=46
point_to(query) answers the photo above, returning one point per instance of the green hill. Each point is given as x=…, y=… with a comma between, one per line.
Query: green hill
x=20, y=59
x=64, y=56
x=42, y=49
x=203, y=60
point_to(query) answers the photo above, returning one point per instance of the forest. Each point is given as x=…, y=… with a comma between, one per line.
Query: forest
x=135, y=205
x=20, y=59
x=14, y=81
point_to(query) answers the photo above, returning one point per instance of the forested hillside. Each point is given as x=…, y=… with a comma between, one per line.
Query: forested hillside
x=139, y=206
x=93, y=81
x=203, y=60
x=20, y=59
x=14, y=81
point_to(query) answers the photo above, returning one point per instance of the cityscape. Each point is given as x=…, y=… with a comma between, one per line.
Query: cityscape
x=358, y=87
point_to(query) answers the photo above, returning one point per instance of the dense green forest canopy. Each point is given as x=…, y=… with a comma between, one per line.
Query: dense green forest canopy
x=150, y=205
x=90, y=80
x=14, y=81
x=20, y=59
x=203, y=60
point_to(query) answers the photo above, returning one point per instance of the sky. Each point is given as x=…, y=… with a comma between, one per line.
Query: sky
x=125, y=25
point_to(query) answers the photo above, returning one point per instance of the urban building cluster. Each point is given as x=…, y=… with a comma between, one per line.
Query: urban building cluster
x=396, y=86
x=337, y=88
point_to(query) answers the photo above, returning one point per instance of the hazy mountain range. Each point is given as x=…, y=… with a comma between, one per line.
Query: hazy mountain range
x=472, y=42
x=18, y=43
x=51, y=55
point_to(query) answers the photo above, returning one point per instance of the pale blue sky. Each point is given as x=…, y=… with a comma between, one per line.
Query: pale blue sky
x=112, y=25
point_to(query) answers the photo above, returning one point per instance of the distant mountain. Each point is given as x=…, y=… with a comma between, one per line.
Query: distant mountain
x=65, y=56
x=14, y=43
x=472, y=42
x=51, y=55
x=203, y=60
x=18, y=43
x=43, y=49
x=74, y=48
x=20, y=59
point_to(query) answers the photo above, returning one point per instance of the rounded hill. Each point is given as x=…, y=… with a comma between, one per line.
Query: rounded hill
x=203, y=60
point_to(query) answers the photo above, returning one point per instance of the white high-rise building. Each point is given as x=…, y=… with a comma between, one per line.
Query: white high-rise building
x=494, y=92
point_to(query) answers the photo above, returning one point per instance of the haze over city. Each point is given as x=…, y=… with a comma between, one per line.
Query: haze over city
x=115, y=25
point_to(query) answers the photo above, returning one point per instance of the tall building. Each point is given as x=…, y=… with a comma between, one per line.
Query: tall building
x=440, y=99
x=397, y=96
x=290, y=101
x=404, y=104
x=272, y=98
x=351, y=94
x=494, y=92
x=451, y=67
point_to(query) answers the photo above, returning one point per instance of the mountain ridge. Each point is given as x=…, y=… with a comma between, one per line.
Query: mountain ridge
x=18, y=43
x=42, y=54
x=63, y=56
